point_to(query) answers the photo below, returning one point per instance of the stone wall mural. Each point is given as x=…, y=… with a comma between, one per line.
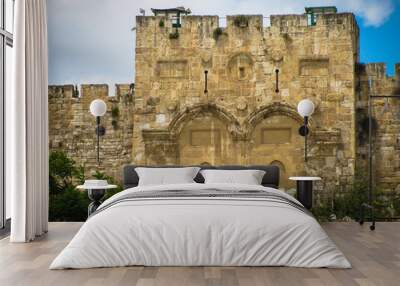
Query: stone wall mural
x=244, y=118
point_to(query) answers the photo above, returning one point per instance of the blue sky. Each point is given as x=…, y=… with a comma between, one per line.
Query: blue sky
x=91, y=41
x=382, y=44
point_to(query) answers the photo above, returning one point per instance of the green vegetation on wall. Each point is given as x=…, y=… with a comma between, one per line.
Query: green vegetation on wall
x=241, y=21
x=114, y=116
x=174, y=35
x=218, y=32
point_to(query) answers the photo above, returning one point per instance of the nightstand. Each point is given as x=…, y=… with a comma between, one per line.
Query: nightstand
x=305, y=189
x=96, y=194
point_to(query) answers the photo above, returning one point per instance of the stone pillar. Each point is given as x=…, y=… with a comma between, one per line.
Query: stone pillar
x=160, y=147
x=326, y=160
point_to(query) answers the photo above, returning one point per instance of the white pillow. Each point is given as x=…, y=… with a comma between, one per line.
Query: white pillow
x=166, y=176
x=248, y=177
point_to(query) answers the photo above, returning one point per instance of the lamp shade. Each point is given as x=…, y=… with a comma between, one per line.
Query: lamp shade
x=98, y=107
x=305, y=108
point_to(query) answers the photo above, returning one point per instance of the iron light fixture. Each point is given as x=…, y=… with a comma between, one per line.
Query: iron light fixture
x=98, y=108
x=206, y=82
x=305, y=108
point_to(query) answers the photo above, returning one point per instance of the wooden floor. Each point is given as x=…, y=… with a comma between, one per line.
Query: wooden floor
x=375, y=257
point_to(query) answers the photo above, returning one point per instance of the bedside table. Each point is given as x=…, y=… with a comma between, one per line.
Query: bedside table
x=95, y=194
x=304, y=189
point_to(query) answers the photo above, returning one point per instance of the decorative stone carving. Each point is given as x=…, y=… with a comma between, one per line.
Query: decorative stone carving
x=153, y=101
x=173, y=106
x=206, y=60
x=241, y=105
x=276, y=56
x=240, y=67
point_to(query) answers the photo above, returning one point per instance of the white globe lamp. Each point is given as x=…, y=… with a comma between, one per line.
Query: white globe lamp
x=305, y=108
x=98, y=107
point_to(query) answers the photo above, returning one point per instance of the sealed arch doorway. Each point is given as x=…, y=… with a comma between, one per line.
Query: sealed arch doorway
x=274, y=140
x=206, y=140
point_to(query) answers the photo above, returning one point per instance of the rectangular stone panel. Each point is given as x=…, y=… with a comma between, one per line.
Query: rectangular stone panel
x=205, y=137
x=276, y=135
x=172, y=69
x=314, y=67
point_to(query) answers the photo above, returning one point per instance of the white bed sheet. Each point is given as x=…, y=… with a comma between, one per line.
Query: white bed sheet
x=200, y=232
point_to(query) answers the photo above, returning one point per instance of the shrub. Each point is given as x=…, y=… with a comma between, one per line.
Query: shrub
x=161, y=24
x=218, y=32
x=115, y=112
x=174, y=35
x=69, y=205
x=322, y=211
x=240, y=21
x=347, y=204
x=114, y=116
x=66, y=203
x=61, y=171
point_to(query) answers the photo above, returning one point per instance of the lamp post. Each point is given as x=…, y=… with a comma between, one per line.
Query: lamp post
x=305, y=108
x=98, y=108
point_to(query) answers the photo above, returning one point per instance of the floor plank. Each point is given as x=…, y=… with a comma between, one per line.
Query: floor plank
x=375, y=257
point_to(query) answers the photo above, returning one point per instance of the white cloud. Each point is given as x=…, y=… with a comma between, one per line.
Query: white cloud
x=90, y=41
x=374, y=13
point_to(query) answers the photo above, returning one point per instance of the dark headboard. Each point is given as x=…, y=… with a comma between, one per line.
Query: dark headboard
x=271, y=177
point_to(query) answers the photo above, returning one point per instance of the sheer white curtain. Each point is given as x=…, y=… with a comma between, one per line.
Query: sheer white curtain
x=27, y=119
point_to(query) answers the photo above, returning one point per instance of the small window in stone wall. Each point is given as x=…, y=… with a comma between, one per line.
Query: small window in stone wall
x=242, y=73
x=283, y=176
x=279, y=164
x=311, y=19
x=276, y=135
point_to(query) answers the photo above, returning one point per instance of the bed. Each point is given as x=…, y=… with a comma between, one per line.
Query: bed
x=201, y=224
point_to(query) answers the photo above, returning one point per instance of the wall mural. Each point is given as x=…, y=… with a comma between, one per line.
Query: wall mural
x=168, y=119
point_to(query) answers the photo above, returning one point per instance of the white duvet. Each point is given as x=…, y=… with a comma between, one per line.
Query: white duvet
x=200, y=231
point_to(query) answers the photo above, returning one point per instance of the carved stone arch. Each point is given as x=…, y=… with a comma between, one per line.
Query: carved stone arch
x=266, y=111
x=182, y=118
x=282, y=171
x=279, y=164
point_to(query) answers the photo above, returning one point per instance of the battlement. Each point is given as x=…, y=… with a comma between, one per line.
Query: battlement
x=301, y=20
x=378, y=70
x=89, y=92
x=249, y=21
